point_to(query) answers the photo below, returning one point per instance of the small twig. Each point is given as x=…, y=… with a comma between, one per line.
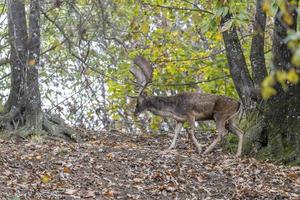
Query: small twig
x=189, y=59
x=194, y=83
x=53, y=47
x=72, y=95
x=179, y=8
x=5, y=76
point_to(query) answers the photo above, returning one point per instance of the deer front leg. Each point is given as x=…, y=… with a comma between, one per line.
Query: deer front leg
x=192, y=133
x=221, y=133
x=177, y=130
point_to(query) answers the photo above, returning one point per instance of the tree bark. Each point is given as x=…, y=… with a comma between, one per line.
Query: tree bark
x=257, y=54
x=283, y=111
x=237, y=64
x=23, y=114
x=33, y=97
x=254, y=122
x=276, y=127
x=18, y=57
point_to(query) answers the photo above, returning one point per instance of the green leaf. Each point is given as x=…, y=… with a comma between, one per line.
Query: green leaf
x=227, y=26
x=145, y=27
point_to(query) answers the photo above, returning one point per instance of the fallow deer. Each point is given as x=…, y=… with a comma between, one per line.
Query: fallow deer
x=188, y=107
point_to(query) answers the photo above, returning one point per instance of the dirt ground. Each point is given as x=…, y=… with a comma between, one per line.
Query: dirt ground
x=113, y=165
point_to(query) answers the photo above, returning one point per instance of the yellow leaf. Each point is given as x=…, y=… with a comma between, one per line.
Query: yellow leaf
x=267, y=92
x=281, y=77
x=269, y=7
x=268, y=81
x=292, y=76
x=82, y=2
x=45, y=178
x=266, y=6
x=194, y=38
x=56, y=44
x=31, y=62
x=145, y=28
x=196, y=17
x=175, y=33
x=219, y=36
x=288, y=19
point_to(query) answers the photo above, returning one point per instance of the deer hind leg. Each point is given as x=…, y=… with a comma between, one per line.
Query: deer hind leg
x=192, y=133
x=177, y=130
x=221, y=133
x=232, y=127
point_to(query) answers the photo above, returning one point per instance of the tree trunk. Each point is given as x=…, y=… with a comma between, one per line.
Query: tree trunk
x=33, y=97
x=257, y=55
x=18, y=56
x=273, y=131
x=22, y=114
x=283, y=111
x=254, y=122
x=237, y=64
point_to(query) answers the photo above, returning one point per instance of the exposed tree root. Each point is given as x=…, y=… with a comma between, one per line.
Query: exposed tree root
x=11, y=119
x=52, y=127
x=55, y=127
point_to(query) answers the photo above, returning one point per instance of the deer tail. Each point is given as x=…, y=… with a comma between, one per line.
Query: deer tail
x=238, y=114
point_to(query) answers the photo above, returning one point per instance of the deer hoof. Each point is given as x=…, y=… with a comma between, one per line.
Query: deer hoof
x=238, y=155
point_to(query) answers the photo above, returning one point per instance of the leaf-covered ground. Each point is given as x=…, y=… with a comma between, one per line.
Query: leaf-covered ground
x=119, y=166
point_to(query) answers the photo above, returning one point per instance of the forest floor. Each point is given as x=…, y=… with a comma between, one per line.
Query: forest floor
x=119, y=166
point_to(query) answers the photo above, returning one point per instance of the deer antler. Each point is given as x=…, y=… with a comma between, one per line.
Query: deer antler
x=142, y=73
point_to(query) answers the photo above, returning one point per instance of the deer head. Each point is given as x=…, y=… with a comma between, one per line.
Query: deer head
x=140, y=104
x=142, y=71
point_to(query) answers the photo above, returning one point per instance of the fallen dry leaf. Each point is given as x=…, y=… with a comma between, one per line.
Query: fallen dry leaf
x=60, y=170
x=70, y=191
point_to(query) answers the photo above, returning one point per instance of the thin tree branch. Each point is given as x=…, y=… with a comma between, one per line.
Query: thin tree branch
x=193, y=83
x=196, y=6
x=5, y=76
x=53, y=47
x=178, y=8
x=72, y=95
x=190, y=59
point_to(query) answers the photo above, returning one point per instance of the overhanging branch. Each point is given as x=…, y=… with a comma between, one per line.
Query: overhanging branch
x=194, y=83
x=178, y=8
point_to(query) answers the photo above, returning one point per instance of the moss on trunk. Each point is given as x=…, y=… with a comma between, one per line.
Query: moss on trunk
x=274, y=134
